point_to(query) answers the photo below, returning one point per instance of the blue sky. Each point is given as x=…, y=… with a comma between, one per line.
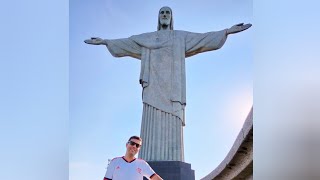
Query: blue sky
x=34, y=94
x=105, y=96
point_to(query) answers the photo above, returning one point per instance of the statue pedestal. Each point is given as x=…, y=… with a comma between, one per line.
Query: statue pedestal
x=173, y=170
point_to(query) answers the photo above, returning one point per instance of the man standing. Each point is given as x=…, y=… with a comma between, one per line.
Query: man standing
x=128, y=167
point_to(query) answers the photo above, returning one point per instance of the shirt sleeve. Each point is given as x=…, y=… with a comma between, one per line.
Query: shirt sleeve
x=110, y=170
x=147, y=170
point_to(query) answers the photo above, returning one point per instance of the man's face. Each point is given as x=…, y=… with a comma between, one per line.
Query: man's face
x=132, y=146
x=165, y=16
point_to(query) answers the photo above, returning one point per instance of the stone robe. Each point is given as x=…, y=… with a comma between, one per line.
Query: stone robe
x=163, y=79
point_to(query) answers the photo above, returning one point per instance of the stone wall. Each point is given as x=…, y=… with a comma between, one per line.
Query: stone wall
x=238, y=164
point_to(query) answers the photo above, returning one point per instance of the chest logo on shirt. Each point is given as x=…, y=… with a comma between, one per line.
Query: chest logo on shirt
x=118, y=167
x=139, y=170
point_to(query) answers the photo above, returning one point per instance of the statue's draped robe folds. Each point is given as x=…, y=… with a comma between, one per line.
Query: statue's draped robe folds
x=163, y=79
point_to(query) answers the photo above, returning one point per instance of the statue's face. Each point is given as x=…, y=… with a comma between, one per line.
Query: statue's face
x=165, y=16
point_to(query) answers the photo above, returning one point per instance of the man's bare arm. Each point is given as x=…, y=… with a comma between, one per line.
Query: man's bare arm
x=156, y=177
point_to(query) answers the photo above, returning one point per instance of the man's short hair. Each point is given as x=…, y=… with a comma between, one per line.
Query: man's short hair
x=135, y=137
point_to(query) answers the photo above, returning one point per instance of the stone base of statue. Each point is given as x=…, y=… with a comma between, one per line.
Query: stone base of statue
x=173, y=170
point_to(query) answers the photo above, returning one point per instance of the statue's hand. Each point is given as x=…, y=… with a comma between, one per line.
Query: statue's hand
x=94, y=41
x=238, y=28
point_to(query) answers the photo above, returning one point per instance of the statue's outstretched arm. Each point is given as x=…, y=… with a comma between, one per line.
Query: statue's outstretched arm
x=118, y=47
x=95, y=41
x=238, y=28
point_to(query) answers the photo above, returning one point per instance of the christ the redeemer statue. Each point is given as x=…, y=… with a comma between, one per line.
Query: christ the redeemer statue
x=163, y=80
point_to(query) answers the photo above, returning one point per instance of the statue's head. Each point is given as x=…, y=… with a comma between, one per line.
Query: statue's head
x=165, y=18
